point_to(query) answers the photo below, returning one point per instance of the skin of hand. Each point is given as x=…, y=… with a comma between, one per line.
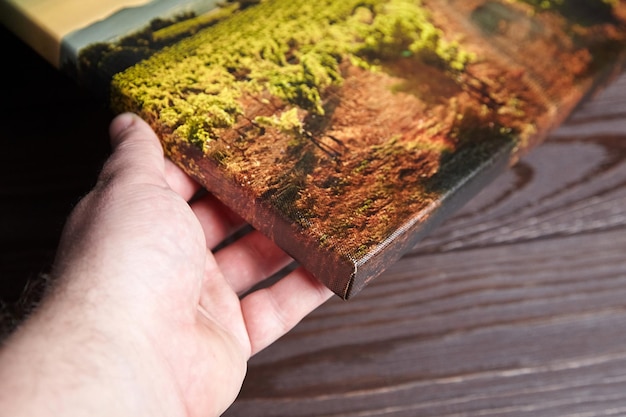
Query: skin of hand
x=142, y=317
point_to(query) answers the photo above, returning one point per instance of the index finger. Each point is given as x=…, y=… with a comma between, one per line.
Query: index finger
x=179, y=181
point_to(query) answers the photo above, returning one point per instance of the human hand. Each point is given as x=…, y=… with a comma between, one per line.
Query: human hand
x=142, y=318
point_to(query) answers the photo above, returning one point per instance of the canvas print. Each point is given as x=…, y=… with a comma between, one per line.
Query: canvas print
x=346, y=129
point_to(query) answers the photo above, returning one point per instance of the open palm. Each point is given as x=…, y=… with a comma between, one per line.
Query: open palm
x=136, y=267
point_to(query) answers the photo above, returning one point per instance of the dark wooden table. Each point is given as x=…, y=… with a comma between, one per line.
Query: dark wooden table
x=516, y=306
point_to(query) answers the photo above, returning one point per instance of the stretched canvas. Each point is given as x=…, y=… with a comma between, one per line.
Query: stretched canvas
x=344, y=130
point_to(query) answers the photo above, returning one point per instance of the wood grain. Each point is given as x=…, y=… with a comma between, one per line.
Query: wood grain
x=516, y=306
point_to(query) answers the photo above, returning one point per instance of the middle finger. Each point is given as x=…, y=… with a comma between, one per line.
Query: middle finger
x=250, y=260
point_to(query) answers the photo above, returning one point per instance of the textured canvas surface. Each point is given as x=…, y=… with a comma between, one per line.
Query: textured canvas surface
x=345, y=130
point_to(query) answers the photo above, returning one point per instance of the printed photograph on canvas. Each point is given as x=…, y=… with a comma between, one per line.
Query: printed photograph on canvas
x=340, y=128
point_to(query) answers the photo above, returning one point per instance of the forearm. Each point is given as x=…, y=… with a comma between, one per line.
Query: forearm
x=66, y=360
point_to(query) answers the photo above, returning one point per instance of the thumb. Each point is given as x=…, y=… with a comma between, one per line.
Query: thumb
x=137, y=153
